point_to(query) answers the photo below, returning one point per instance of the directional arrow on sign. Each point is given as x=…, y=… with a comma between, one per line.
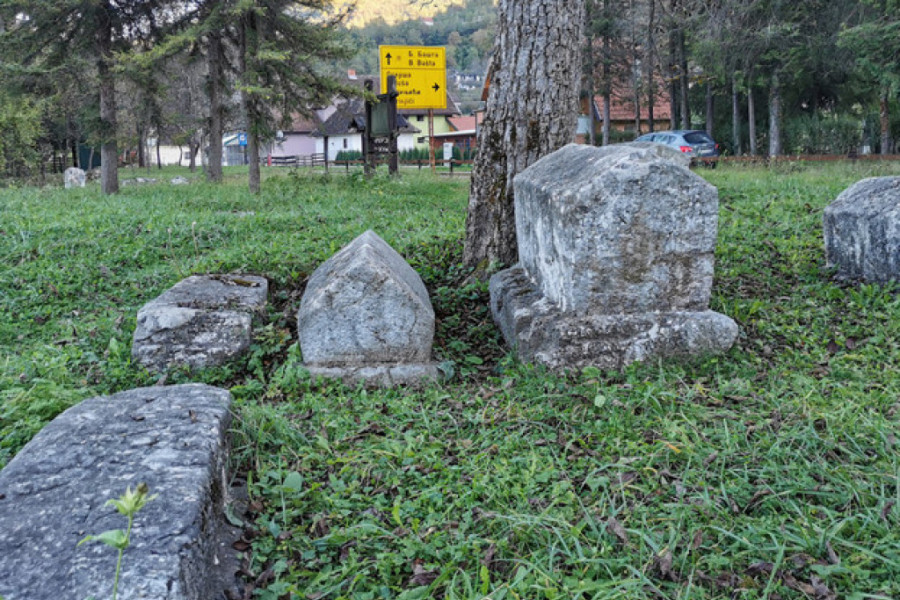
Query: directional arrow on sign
x=388, y=57
x=435, y=87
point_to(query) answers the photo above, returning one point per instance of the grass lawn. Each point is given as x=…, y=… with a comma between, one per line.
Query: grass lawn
x=769, y=472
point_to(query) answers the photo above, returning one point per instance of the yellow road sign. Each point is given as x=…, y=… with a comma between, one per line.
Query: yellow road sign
x=421, y=73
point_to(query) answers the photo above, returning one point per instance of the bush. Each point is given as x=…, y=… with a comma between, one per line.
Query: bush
x=20, y=127
x=823, y=133
x=345, y=155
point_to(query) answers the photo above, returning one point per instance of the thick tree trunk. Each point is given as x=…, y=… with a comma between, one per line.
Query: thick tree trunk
x=710, y=108
x=142, y=159
x=735, y=117
x=532, y=110
x=673, y=78
x=607, y=80
x=109, y=152
x=635, y=72
x=885, y=118
x=775, y=117
x=193, y=148
x=751, y=121
x=589, y=70
x=607, y=113
x=651, y=65
x=249, y=48
x=685, y=81
x=215, y=82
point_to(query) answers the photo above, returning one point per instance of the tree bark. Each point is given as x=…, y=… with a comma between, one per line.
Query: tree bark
x=142, y=159
x=751, y=120
x=589, y=70
x=532, y=110
x=885, y=118
x=651, y=65
x=216, y=78
x=607, y=79
x=673, y=77
x=249, y=47
x=685, y=81
x=775, y=148
x=735, y=117
x=193, y=148
x=109, y=152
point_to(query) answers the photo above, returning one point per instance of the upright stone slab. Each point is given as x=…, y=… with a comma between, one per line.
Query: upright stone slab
x=616, y=260
x=202, y=321
x=862, y=231
x=366, y=316
x=54, y=491
x=74, y=177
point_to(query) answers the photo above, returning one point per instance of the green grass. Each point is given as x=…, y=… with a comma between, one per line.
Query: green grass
x=769, y=472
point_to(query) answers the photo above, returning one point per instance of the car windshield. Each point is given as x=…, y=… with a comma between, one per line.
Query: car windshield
x=698, y=137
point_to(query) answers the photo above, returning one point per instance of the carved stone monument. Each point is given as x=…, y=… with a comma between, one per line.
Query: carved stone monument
x=366, y=317
x=615, y=261
x=862, y=231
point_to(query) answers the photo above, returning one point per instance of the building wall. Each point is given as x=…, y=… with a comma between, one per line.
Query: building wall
x=441, y=125
x=169, y=155
x=294, y=144
x=353, y=142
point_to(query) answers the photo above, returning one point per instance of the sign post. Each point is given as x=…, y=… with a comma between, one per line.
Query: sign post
x=421, y=76
x=380, y=136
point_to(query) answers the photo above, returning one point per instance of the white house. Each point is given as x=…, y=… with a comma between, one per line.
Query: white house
x=343, y=130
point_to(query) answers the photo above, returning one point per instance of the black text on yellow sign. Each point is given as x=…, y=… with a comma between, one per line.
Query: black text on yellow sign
x=421, y=73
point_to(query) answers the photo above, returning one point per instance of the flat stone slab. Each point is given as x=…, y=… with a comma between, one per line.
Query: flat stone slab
x=54, y=492
x=862, y=231
x=542, y=333
x=202, y=321
x=366, y=315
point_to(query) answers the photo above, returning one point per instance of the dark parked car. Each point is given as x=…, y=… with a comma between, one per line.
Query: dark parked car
x=697, y=144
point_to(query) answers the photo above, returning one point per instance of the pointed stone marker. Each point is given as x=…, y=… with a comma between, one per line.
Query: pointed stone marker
x=366, y=317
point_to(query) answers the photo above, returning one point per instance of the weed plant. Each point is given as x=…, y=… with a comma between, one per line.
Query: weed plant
x=768, y=472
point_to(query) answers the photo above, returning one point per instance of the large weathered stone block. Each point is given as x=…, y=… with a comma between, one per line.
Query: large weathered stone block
x=54, y=492
x=616, y=260
x=366, y=316
x=862, y=230
x=202, y=321
x=616, y=229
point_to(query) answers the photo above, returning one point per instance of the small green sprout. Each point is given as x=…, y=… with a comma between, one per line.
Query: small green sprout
x=128, y=504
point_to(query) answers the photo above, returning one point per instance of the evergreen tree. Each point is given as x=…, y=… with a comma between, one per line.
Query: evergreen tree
x=281, y=46
x=43, y=37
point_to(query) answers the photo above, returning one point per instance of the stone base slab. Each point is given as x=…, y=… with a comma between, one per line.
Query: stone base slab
x=541, y=333
x=380, y=376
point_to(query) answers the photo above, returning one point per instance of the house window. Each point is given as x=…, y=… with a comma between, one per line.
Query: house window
x=420, y=140
x=420, y=118
x=345, y=143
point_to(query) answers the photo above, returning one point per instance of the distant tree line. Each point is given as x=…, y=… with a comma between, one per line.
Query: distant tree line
x=109, y=75
x=764, y=76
